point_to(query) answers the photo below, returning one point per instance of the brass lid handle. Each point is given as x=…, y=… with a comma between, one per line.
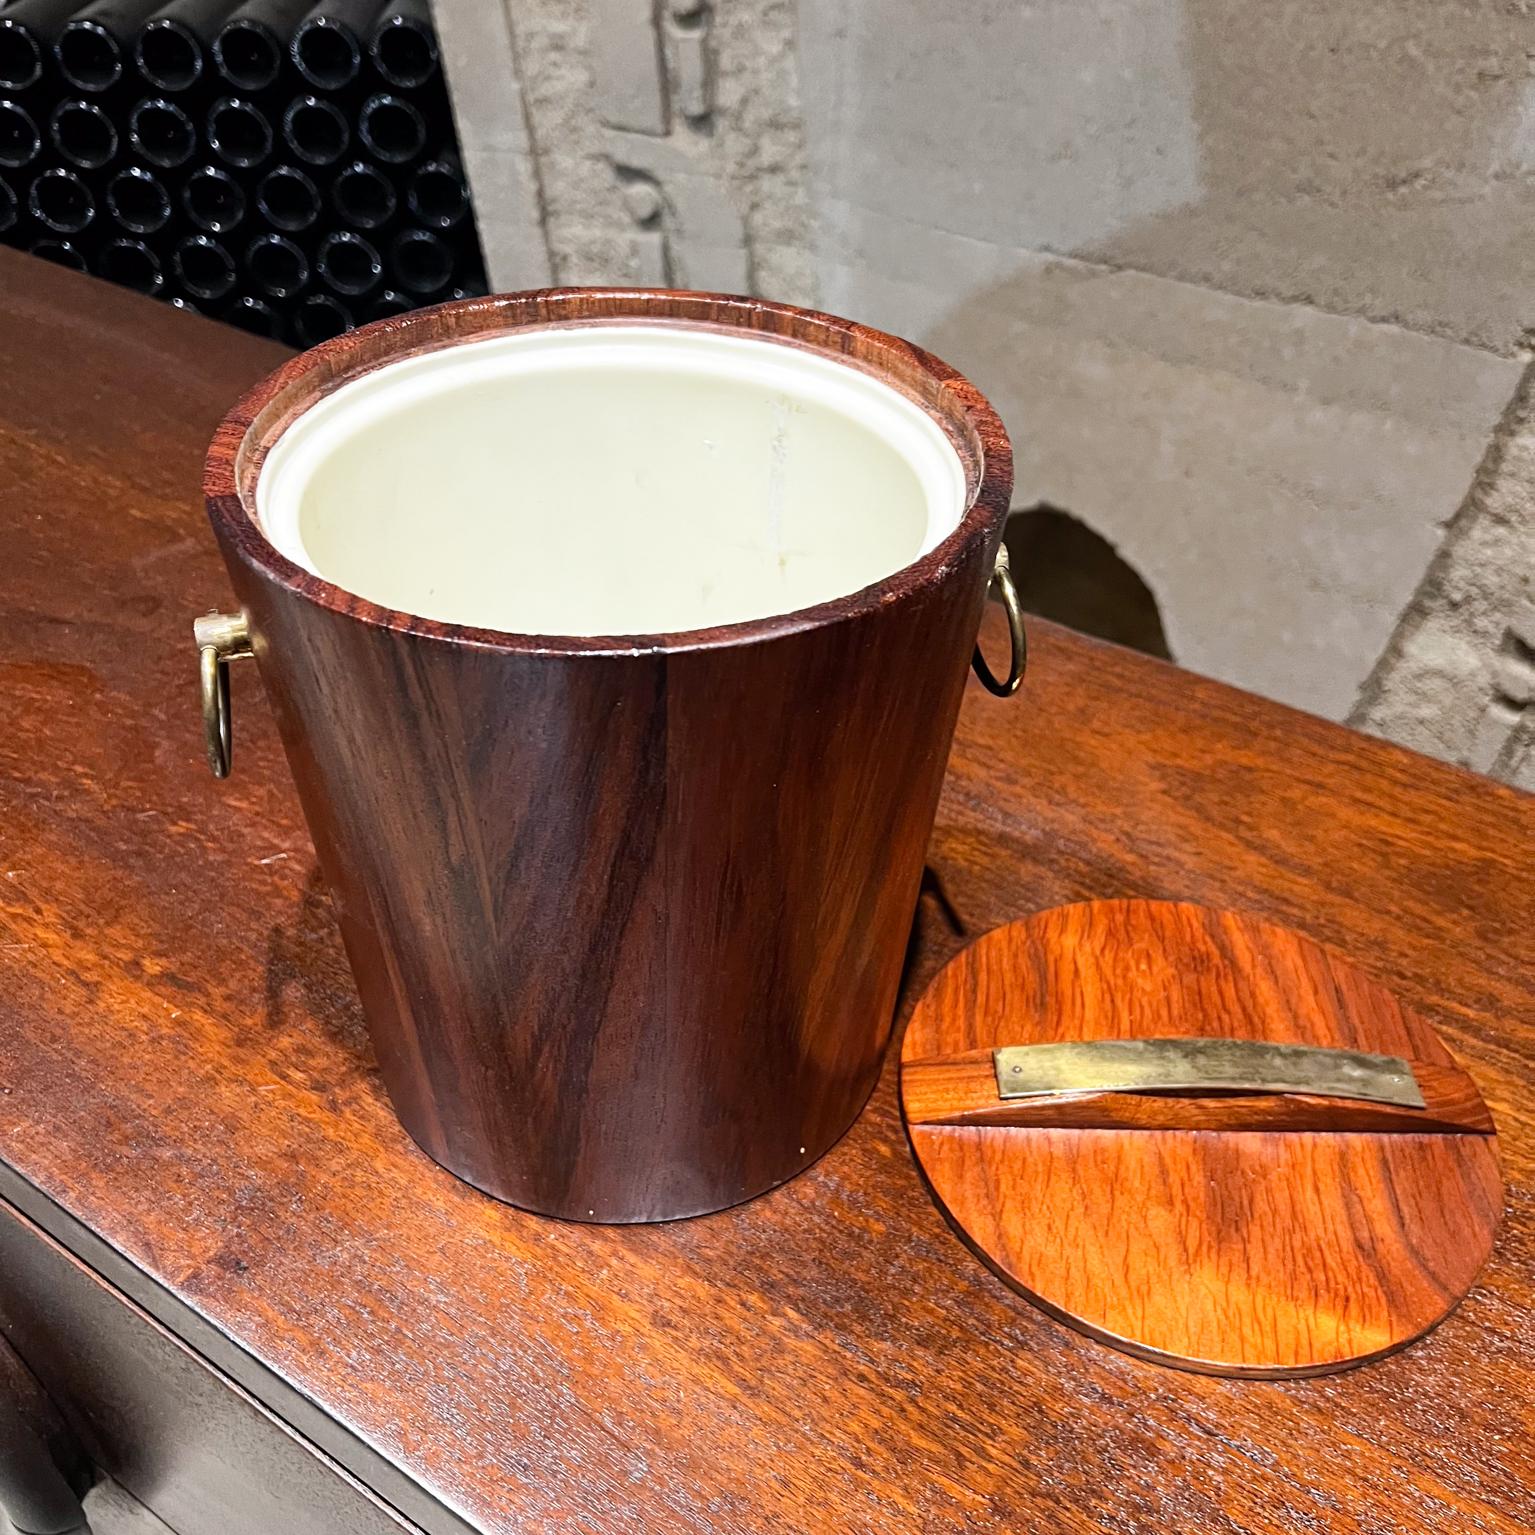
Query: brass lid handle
x=1198, y=1083
x=1002, y=575
x=221, y=638
x=1202, y=1065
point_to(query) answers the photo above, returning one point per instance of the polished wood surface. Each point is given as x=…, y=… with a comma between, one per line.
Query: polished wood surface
x=1242, y=1240
x=627, y=915
x=191, y=1089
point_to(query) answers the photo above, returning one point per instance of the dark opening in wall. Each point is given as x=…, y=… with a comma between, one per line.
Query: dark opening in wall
x=1067, y=573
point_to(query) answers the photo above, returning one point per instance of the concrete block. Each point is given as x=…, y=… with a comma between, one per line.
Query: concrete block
x=667, y=140
x=1370, y=159
x=581, y=214
x=486, y=89
x=1278, y=476
x=1049, y=124
x=1454, y=680
x=627, y=72
x=1520, y=764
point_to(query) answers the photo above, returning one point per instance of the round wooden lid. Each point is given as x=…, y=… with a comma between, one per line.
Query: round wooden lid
x=1240, y=1210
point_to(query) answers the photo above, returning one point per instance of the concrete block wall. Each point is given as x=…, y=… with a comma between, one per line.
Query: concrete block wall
x=1248, y=282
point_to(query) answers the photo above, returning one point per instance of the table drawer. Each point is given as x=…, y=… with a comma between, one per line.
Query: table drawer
x=187, y=1441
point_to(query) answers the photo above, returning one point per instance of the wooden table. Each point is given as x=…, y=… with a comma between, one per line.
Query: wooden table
x=266, y=1309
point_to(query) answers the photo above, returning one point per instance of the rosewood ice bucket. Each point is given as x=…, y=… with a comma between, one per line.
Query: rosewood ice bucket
x=616, y=641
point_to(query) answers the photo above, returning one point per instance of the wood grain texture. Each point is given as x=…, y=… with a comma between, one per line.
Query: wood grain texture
x=627, y=915
x=190, y=1077
x=1237, y=1244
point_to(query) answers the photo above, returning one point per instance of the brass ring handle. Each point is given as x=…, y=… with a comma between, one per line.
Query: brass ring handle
x=221, y=638
x=1002, y=574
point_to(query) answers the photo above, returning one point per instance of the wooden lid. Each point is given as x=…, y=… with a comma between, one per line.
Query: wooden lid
x=1217, y=1227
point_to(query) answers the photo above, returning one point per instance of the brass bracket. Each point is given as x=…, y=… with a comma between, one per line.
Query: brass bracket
x=1002, y=575
x=1202, y=1065
x=221, y=638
